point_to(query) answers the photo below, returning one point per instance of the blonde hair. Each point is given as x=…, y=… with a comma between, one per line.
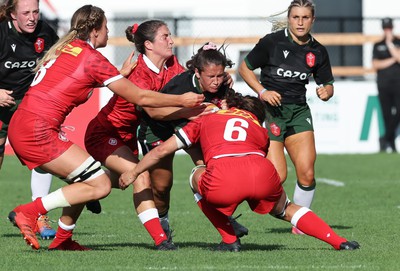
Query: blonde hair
x=84, y=20
x=302, y=3
x=279, y=23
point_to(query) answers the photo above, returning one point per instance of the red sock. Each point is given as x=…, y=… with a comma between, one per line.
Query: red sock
x=61, y=236
x=219, y=220
x=34, y=208
x=311, y=224
x=39, y=205
x=154, y=228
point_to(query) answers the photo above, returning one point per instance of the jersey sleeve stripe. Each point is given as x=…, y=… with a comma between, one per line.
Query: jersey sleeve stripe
x=113, y=79
x=181, y=136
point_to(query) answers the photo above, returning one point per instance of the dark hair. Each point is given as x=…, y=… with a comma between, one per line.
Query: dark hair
x=302, y=3
x=249, y=103
x=7, y=8
x=209, y=54
x=145, y=31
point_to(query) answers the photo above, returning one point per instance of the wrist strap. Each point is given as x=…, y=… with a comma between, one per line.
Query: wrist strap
x=261, y=92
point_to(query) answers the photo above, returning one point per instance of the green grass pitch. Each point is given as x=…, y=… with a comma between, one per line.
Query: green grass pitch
x=358, y=195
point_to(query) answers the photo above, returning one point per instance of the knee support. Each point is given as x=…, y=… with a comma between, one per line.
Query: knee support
x=88, y=170
x=282, y=214
x=191, y=176
x=197, y=196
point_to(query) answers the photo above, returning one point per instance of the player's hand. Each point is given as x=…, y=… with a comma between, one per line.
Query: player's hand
x=191, y=99
x=272, y=97
x=5, y=98
x=323, y=93
x=126, y=179
x=228, y=79
x=128, y=66
x=202, y=110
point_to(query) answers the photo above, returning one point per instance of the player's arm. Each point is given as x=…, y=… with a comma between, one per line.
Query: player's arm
x=270, y=96
x=150, y=159
x=175, y=113
x=133, y=94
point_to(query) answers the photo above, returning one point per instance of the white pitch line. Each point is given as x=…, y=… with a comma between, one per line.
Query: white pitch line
x=330, y=182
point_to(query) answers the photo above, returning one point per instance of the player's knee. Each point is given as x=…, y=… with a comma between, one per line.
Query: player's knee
x=307, y=184
x=163, y=188
x=103, y=191
x=191, y=177
x=143, y=182
x=280, y=211
x=306, y=177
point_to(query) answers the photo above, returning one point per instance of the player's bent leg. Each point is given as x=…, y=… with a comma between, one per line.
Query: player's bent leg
x=40, y=187
x=309, y=223
x=66, y=225
x=148, y=214
x=277, y=157
x=194, y=177
x=301, y=148
x=63, y=240
x=162, y=181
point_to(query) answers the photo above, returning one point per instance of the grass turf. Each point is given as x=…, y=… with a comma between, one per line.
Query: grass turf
x=356, y=194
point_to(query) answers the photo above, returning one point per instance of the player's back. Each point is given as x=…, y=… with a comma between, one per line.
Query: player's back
x=232, y=132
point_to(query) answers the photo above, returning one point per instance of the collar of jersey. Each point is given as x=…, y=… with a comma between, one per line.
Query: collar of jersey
x=196, y=83
x=151, y=65
x=90, y=43
x=289, y=36
x=13, y=29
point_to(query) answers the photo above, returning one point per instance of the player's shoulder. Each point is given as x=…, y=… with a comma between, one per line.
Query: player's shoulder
x=278, y=35
x=4, y=29
x=273, y=38
x=182, y=78
x=180, y=83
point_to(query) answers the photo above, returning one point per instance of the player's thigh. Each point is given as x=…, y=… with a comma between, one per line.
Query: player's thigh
x=71, y=159
x=301, y=149
x=276, y=155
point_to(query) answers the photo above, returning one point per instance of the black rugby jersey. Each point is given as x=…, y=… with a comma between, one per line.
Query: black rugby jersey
x=389, y=76
x=19, y=54
x=179, y=84
x=286, y=66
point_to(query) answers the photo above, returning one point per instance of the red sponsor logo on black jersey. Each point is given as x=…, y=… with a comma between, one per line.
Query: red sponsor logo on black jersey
x=310, y=59
x=39, y=45
x=275, y=129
